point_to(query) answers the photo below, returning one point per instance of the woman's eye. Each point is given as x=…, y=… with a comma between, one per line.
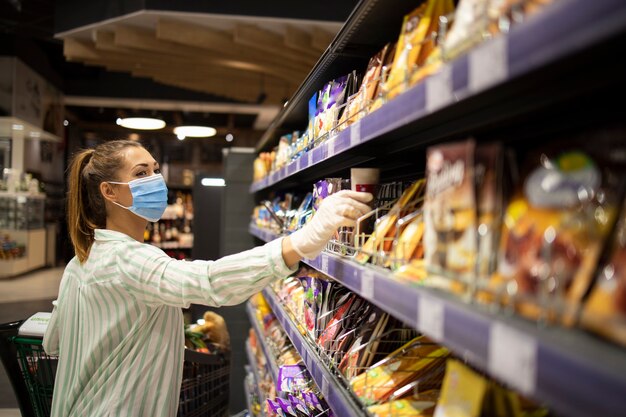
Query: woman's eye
x=141, y=173
x=157, y=171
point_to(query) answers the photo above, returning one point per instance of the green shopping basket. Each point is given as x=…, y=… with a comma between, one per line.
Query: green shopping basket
x=30, y=370
x=204, y=389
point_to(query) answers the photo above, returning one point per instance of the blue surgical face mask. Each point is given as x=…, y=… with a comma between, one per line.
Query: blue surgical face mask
x=149, y=197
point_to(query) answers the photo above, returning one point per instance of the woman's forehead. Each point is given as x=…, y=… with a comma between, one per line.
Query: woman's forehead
x=134, y=155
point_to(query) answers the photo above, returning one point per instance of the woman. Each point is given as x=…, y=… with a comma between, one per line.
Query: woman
x=117, y=325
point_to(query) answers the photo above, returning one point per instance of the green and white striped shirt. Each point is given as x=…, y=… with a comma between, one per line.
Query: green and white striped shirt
x=117, y=325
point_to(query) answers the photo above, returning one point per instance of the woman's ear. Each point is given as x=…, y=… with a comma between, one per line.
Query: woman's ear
x=108, y=192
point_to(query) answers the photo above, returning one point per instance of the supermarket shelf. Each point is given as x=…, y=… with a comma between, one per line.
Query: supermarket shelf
x=248, y=395
x=253, y=362
x=571, y=371
x=340, y=401
x=562, y=30
x=257, y=378
x=263, y=234
x=270, y=361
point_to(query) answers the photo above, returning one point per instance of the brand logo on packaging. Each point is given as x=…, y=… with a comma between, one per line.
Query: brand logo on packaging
x=450, y=175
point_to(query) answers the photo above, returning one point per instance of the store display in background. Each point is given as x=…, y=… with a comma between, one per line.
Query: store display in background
x=11, y=249
x=174, y=232
x=431, y=35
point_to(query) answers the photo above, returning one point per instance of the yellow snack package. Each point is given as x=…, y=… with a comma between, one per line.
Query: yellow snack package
x=414, y=29
x=414, y=360
x=462, y=393
x=403, y=408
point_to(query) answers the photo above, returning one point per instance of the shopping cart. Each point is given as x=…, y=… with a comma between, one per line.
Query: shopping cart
x=204, y=390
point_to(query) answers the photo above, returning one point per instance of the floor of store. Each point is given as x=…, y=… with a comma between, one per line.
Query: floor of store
x=20, y=298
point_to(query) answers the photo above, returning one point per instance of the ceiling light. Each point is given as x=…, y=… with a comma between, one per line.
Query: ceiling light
x=18, y=127
x=66, y=122
x=180, y=137
x=213, y=182
x=35, y=134
x=141, y=123
x=195, y=131
x=229, y=137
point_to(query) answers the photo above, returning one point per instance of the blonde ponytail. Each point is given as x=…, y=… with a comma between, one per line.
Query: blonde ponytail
x=86, y=210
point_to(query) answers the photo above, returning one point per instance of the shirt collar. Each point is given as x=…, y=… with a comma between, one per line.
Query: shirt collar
x=104, y=235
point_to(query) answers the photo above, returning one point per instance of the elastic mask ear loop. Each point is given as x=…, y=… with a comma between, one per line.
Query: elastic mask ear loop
x=118, y=204
x=115, y=202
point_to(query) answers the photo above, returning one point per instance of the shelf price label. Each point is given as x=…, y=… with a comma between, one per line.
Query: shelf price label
x=299, y=163
x=324, y=263
x=439, y=89
x=430, y=317
x=303, y=355
x=488, y=64
x=513, y=357
x=324, y=387
x=367, y=284
x=331, y=146
x=310, y=158
x=355, y=133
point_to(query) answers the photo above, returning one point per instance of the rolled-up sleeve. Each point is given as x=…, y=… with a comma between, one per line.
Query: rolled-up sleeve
x=153, y=277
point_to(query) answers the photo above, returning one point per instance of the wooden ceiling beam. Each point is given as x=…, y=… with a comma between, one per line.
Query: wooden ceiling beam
x=120, y=59
x=302, y=41
x=321, y=39
x=187, y=34
x=78, y=50
x=271, y=43
x=143, y=40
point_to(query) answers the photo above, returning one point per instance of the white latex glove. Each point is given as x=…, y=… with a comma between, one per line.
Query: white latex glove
x=340, y=209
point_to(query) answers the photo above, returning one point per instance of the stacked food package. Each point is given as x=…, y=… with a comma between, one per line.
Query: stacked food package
x=390, y=369
x=431, y=35
x=543, y=240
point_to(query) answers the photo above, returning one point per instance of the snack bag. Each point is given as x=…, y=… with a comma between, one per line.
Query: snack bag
x=605, y=309
x=385, y=227
x=414, y=29
x=462, y=393
x=361, y=101
x=553, y=234
x=292, y=378
x=468, y=29
x=489, y=200
x=414, y=360
x=336, y=97
x=322, y=101
x=450, y=213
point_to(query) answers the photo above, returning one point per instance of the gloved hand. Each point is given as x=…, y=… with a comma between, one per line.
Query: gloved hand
x=340, y=209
